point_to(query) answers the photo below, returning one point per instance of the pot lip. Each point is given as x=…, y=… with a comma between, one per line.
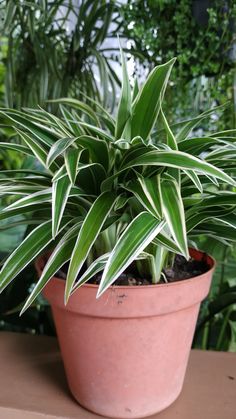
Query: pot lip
x=150, y=286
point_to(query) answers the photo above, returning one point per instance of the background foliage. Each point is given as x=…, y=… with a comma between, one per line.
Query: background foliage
x=201, y=34
x=50, y=49
x=54, y=50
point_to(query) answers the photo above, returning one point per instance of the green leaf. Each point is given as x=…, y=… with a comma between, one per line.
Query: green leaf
x=217, y=305
x=58, y=258
x=157, y=262
x=22, y=211
x=19, y=189
x=34, y=243
x=72, y=157
x=98, y=149
x=216, y=230
x=25, y=172
x=222, y=154
x=147, y=104
x=195, y=179
x=146, y=191
x=32, y=199
x=221, y=302
x=59, y=173
x=58, y=148
x=171, y=141
x=135, y=89
x=77, y=104
x=71, y=121
x=228, y=219
x=45, y=134
x=201, y=216
x=90, y=230
x=124, y=107
x=95, y=267
x=91, y=129
x=167, y=242
x=173, y=210
x=38, y=150
x=226, y=133
x=60, y=193
x=40, y=181
x=16, y=147
x=90, y=176
x=188, y=126
x=232, y=345
x=197, y=145
x=134, y=239
x=98, y=266
x=179, y=160
x=224, y=198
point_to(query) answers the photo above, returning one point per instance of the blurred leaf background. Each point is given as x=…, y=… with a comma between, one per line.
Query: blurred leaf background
x=69, y=48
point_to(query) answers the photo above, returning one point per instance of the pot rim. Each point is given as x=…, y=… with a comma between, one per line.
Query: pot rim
x=209, y=259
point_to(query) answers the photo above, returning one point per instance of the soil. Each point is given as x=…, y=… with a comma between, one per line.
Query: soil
x=181, y=270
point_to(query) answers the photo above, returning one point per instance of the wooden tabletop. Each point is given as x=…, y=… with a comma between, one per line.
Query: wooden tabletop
x=33, y=384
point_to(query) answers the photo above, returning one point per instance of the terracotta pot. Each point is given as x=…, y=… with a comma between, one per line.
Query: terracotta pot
x=125, y=354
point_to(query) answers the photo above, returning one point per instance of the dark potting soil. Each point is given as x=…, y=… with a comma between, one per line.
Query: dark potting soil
x=181, y=270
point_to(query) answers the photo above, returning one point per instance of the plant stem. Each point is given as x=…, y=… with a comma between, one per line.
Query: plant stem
x=222, y=273
x=219, y=342
x=205, y=335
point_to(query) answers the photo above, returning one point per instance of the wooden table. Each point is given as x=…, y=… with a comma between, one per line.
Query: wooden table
x=33, y=384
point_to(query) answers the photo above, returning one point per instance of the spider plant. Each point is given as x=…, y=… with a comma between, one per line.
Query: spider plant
x=54, y=49
x=110, y=191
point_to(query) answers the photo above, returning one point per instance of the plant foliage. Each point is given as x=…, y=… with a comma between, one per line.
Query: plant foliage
x=202, y=35
x=54, y=49
x=109, y=191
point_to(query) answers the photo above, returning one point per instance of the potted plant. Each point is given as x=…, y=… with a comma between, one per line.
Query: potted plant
x=114, y=201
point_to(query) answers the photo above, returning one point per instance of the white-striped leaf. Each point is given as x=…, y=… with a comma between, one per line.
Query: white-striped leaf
x=60, y=193
x=38, y=149
x=173, y=210
x=195, y=179
x=132, y=242
x=16, y=147
x=72, y=157
x=167, y=242
x=32, y=245
x=179, y=160
x=124, y=107
x=146, y=191
x=58, y=258
x=171, y=141
x=97, y=266
x=94, y=268
x=147, y=103
x=92, y=226
x=32, y=199
x=58, y=149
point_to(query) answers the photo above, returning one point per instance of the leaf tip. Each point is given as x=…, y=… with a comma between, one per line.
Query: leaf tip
x=24, y=308
x=100, y=292
x=22, y=312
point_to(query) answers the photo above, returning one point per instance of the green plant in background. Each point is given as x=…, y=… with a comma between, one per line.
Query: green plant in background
x=114, y=190
x=54, y=50
x=2, y=68
x=217, y=320
x=202, y=35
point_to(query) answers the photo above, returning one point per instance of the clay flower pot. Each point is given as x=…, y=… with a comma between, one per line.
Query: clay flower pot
x=125, y=354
